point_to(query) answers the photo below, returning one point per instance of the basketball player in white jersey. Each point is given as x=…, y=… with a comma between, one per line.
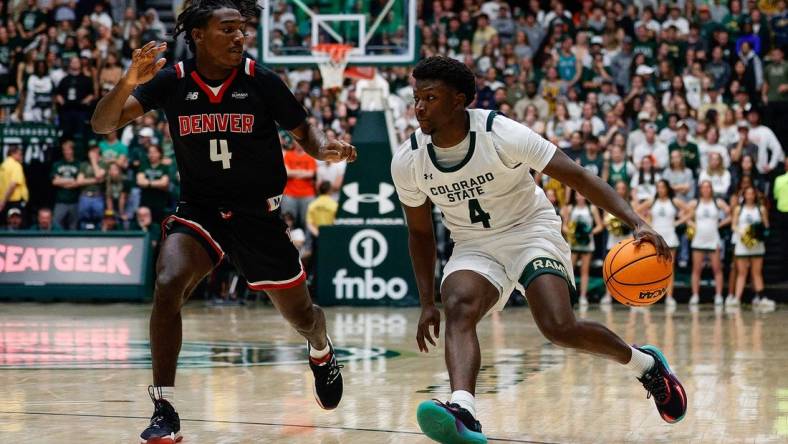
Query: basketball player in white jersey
x=474, y=165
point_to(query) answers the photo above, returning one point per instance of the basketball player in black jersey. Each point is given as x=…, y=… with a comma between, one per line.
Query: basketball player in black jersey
x=223, y=110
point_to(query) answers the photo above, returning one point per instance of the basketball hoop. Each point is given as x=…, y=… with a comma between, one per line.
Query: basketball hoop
x=332, y=68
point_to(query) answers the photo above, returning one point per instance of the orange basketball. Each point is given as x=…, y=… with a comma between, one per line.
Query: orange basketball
x=634, y=275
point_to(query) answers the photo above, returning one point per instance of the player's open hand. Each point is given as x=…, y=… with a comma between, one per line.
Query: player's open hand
x=144, y=63
x=644, y=233
x=337, y=151
x=430, y=317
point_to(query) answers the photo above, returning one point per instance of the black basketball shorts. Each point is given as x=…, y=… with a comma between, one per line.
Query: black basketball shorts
x=258, y=244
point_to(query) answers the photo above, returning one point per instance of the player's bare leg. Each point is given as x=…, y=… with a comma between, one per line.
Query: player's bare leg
x=308, y=319
x=548, y=298
x=297, y=308
x=182, y=264
x=467, y=297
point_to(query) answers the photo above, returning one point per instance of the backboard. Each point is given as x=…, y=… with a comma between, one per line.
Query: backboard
x=381, y=32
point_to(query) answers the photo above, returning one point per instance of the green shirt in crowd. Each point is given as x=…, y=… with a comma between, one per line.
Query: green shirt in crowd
x=66, y=170
x=690, y=153
x=87, y=170
x=776, y=74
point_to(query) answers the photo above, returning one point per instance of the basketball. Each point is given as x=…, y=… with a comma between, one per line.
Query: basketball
x=634, y=275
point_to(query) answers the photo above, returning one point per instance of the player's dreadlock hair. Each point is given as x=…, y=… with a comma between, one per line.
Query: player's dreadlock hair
x=196, y=14
x=451, y=72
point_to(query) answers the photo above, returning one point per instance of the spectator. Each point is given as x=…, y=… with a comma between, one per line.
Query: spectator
x=109, y=222
x=781, y=199
x=74, y=95
x=591, y=159
x=652, y=147
x=711, y=145
x=44, y=221
x=114, y=151
x=39, y=87
x=775, y=91
x=143, y=221
x=154, y=180
x=643, y=184
x=716, y=174
x=116, y=193
x=770, y=152
x=320, y=212
x=743, y=146
x=617, y=167
x=13, y=185
x=532, y=98
x=298, y=237
x=64, y=178
x=688, y=149
x=679, y=177
x=333, y=173
x=483, y=34
x=300, y=188
x=14, y=220
x=91, y=181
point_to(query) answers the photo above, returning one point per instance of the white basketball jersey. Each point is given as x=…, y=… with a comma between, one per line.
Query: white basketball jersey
x=488, y=192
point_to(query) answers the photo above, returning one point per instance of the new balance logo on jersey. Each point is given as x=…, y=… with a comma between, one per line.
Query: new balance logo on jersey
x=192, y=95
x=215, y=122
x=240, y=95
x=385, y=205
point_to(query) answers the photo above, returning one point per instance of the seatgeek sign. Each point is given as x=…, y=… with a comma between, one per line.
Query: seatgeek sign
x=36, y=260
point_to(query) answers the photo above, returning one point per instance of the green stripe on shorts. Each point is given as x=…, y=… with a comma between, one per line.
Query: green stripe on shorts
x=545, y=265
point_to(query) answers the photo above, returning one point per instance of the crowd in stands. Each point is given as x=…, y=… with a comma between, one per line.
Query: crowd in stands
x=676, y=104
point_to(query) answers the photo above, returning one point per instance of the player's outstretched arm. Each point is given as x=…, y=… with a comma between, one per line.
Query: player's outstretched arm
x=315, y=142
x=421, y=245
x=602, y=195
x=119, y=107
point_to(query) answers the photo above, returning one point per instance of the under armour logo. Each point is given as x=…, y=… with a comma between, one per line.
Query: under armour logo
x=428, y=176
x=385, y=205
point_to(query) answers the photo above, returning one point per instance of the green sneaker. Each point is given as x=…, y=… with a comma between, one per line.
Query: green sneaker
x=449, y=423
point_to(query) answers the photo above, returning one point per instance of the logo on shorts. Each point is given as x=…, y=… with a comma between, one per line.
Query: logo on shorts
x=385, y=205
x=192, y=95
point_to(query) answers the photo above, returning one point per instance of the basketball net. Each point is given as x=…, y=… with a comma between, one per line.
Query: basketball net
x=332, y=69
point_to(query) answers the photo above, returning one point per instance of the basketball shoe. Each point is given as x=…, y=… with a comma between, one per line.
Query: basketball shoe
x=449, y=423
x=328, y=379
x=165, y=425
x=664, y=387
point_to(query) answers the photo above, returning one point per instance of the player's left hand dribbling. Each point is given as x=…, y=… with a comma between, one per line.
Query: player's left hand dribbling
x=644, y=233
x=337, y=151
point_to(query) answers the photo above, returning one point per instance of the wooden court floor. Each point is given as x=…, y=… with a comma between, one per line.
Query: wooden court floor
x=79, y=373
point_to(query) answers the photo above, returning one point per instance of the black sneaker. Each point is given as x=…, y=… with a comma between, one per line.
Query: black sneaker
x=664, y=387
x=165, y=425
x=328, y=379
x=449, y=423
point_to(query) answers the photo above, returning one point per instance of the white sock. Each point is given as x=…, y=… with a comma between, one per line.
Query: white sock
x=465, y=400
x=640, y=362
x=322, y=353
x=166, y=393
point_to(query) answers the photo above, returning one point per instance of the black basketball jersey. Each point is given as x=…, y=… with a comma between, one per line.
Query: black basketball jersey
x=226, y=139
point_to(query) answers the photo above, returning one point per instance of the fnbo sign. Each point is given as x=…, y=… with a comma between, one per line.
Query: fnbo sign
x=365, y=266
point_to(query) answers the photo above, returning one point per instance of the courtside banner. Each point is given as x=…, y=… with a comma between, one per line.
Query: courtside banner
x=103, y=265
